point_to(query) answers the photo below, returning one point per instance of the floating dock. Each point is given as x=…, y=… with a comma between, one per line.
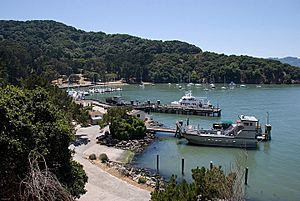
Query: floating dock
x=175, y=109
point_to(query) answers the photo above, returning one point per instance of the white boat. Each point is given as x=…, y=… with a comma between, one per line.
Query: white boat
x=232, y=85
x=242, y=86
x=190, y=101
x=190, y=84
x=245, y=133
x=198, y=85
x=223, y=87
x=212, y=85
x=258, y=86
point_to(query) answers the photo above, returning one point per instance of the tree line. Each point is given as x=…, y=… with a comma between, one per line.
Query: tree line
x=54, y=49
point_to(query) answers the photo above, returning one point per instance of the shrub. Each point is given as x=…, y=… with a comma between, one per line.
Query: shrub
x=103, y=157
x=142, y=180
x=92, y=157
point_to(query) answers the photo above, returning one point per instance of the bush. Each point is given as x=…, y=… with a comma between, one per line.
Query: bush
x=103, y=157
x=92, y=157
x=142, y=180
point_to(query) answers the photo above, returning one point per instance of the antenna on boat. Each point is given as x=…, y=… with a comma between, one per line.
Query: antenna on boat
x=268, y=116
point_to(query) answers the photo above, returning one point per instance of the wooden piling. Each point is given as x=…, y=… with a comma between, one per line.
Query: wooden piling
x=157, y=163
x=182, y=166
x=246, y=176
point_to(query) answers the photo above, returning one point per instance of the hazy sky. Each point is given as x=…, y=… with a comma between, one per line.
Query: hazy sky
x=263, y=28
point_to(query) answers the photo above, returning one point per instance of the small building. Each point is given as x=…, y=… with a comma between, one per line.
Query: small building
x=96, y=116
x=140, y=115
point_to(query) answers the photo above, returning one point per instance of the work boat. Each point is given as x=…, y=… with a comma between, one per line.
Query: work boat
x=245, y=133
x=194, y=102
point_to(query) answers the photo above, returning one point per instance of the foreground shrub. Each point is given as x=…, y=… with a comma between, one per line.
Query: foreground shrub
x=142, y=180
x=92, y=157
x=208, y=184
x=103, y=157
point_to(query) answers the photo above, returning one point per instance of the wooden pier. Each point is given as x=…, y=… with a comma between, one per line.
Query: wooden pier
x=161, y=129
x=174, y=109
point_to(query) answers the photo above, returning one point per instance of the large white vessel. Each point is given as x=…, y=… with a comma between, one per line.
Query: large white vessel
x=191, y=101
x=245, y=133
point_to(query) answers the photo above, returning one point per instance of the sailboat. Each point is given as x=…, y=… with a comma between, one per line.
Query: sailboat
x=223, y=87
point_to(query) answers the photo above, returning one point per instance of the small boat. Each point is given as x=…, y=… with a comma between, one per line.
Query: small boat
x=258, y=86
x=223, y=87
x=190, y=101
x=180, y=87
x=212, y=85
x=232, y=85
x=242, y=86
x=169, y=83
x=245, y=133
x=198, y=85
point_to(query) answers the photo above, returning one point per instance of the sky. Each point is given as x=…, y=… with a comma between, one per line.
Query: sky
x=260, y=28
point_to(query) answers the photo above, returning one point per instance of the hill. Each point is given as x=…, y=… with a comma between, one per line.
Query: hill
x=293, y=61
x=54, y=49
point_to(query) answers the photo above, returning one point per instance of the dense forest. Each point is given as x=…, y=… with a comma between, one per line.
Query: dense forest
x=54, y=49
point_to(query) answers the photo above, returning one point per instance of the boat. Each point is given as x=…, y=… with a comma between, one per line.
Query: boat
x=232, y=85
x=212, y=85
x=223, y=87
x=245, y=133
x=116, y=100
x=190, y=101
x=242, y=86
x=258, y=86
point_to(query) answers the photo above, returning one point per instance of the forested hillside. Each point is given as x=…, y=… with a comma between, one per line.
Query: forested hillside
x=54, y=49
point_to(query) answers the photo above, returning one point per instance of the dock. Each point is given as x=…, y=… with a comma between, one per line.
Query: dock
x=174, y=109
x=161, y=129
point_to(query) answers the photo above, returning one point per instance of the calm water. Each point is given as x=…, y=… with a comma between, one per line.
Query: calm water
x=274, y=168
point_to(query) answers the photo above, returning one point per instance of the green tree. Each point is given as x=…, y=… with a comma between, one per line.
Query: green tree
x=32, y=123
x=208, y=184
x=122, y=125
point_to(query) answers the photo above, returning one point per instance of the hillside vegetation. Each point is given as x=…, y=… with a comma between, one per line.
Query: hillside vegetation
x=54, y=49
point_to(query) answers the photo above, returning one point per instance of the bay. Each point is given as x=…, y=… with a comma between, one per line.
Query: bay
x=273, y=168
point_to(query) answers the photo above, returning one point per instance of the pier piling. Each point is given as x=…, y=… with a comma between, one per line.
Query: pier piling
x=246, y=176
x=157, y=163
x=182, y=166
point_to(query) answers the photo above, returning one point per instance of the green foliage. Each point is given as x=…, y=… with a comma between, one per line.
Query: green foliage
x=123, y=126
x=207, y=185
x=142, y=180
x=54, y=49
x=31, y=122
x=59, y=97
x=92, y=157
x=103, y=157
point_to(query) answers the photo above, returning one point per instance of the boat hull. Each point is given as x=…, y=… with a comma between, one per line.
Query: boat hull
x=221, y=141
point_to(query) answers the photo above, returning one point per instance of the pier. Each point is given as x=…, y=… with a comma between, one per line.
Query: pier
x=161, y=129
x=177, y=109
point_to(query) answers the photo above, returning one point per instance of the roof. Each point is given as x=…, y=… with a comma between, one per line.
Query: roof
x=95, y=113
x=248, y=118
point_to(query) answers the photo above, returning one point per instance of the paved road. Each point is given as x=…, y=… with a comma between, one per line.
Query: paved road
x=101, y=185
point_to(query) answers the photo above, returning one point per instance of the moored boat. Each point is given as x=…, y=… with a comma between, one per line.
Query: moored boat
x=190, y=101
x=245, y=133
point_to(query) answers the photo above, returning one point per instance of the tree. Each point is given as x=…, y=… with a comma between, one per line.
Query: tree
x=208, y=184
x=123, y=126
x=30, y=122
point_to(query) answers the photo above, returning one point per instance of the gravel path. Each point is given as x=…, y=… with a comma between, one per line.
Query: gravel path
x=101, y=185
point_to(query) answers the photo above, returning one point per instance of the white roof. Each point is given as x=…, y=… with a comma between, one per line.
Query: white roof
x=248, y=118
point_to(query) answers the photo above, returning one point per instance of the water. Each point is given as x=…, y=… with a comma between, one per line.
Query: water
x=273, y=168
